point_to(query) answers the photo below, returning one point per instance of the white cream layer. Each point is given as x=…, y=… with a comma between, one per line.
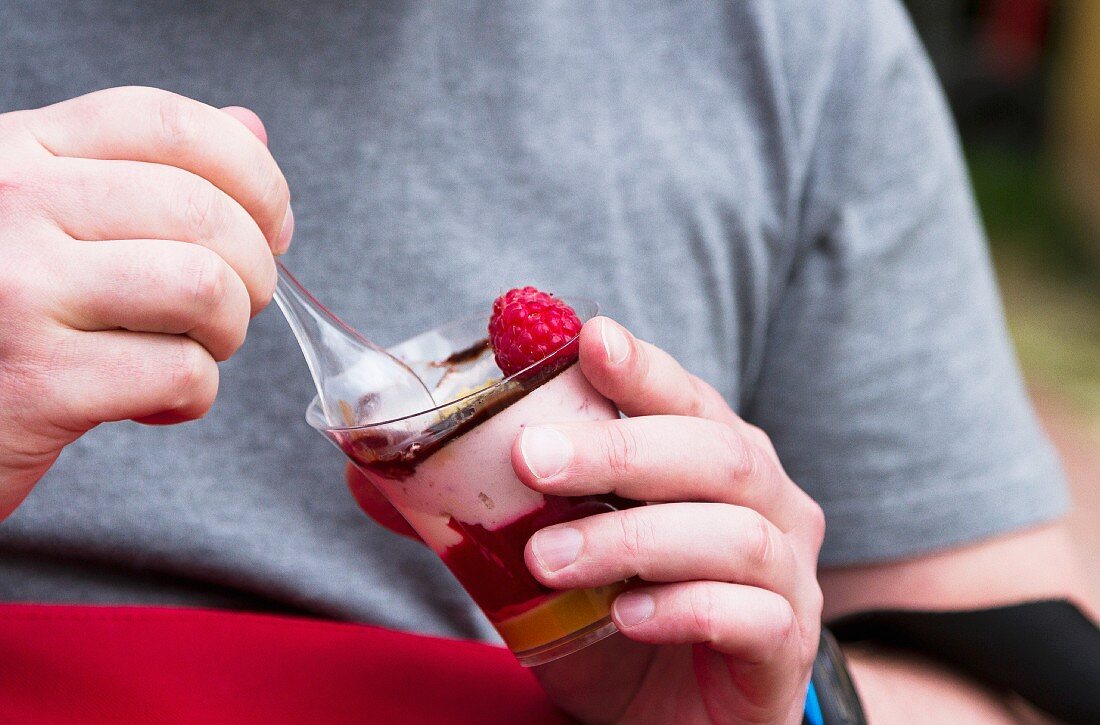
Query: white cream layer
x=471, y=478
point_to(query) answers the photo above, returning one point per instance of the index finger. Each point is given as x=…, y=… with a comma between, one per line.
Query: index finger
x=642, y=379
x=658, y=458
x=152, y=125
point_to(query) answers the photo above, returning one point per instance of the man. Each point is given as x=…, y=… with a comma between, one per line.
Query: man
x=770, y=193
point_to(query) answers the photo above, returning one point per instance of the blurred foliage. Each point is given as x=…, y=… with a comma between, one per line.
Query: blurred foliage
x=1052, y=298
x=997, y=60
x=1025, y=212
x=1055, y=322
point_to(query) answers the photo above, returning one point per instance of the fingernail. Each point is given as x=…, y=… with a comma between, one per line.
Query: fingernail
x=282, y=243
x=557, y=548
x=545, y=451
x=633, y=608
x=614, y=342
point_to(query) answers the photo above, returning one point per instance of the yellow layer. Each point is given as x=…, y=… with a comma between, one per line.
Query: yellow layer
x=559, y=617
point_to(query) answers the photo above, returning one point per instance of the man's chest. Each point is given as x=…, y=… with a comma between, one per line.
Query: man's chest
x=438, y=155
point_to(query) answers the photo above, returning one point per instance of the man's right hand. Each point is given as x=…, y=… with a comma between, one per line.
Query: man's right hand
x=137, y=232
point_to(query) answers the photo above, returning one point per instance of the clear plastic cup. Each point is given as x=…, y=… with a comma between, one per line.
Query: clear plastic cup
x=448, y=471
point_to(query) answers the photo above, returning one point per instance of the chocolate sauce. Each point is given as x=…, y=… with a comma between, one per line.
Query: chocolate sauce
x=395, y=454
x=473, y=352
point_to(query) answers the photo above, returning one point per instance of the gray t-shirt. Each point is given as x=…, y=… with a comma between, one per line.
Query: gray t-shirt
x=771, y=191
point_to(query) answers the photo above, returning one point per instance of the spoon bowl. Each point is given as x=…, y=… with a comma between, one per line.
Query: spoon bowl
x=357, y=381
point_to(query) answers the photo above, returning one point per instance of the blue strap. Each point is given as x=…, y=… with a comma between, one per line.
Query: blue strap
x=812, y=711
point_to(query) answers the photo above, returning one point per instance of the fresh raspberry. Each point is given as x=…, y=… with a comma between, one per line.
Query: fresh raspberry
x=528, y=325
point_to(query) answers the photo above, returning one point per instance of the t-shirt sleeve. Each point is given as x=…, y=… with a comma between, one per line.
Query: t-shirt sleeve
x=888, y=383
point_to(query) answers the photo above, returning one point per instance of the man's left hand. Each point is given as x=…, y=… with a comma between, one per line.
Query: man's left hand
x=725, y=624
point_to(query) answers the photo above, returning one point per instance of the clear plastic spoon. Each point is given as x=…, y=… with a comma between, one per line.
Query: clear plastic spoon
x=357, y=381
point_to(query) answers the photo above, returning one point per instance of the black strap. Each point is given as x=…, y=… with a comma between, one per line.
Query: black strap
x=1047, y=652
x=836, y=697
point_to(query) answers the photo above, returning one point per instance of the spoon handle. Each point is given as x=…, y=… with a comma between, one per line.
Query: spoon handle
x=298, y=303
x=332, y=347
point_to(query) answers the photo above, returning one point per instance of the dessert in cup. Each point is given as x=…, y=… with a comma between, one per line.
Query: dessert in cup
x=448, y=469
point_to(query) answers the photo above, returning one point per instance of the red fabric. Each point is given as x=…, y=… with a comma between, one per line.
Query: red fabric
x=83, y=664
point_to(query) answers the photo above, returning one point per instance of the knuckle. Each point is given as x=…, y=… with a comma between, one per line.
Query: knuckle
x=185, y=368
x=275, y=192
x=699, y=404
x=204, y=279
x=782, y=625
x=815, y=522
x=621, y=449
x=90, y=109
x=105, y=100
x=815, y=601
x=175, y=117
x=236, y=328
x=261, y=278
x=187, y=371
x=204, y=210
x=272, y=193
x=240, y=333
x=757, y=436
x=740, y=457
x=636, y=534
x=760, y=546
x=701, y=611
x=120, y=97
x=271, y=278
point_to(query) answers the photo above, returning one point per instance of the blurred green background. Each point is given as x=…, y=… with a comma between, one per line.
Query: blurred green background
x=1023, y=79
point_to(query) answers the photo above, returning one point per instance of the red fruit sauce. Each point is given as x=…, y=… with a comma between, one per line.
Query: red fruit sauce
x=490, y=564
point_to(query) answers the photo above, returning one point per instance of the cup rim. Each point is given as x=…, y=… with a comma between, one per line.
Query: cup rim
x=315, y=403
